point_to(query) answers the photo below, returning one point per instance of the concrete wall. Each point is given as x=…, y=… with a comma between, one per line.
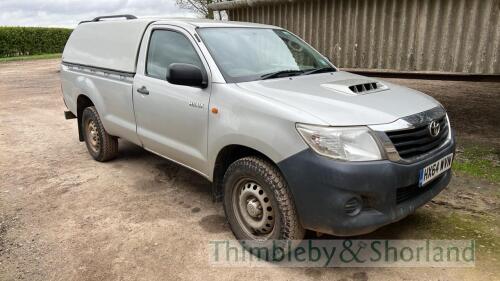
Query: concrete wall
x=426, y=36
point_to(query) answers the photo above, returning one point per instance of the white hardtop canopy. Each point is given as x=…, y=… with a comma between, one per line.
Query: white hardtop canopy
x=114, y=44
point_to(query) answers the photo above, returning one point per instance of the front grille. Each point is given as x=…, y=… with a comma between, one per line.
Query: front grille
x=417, y=141
x=406, y=193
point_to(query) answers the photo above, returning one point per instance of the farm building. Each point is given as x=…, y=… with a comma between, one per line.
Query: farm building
x=400, y=36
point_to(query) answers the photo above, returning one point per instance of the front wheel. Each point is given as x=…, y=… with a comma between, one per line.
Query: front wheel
x=258, y=205
x=101, y=146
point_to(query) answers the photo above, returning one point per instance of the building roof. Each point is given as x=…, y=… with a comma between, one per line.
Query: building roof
x=234, y=4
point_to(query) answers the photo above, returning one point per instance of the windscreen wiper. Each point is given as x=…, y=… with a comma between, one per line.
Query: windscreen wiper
x=319, y=70
x=289, y=72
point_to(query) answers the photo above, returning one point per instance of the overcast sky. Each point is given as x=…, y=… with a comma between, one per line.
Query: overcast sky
x=67, y=13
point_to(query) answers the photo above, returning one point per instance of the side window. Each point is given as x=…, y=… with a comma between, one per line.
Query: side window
x=167, y=47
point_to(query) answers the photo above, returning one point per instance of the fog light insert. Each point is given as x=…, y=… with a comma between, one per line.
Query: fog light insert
x=353, y=206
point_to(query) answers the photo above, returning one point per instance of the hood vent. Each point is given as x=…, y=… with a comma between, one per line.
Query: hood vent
x=356, y=86
x=361, y=88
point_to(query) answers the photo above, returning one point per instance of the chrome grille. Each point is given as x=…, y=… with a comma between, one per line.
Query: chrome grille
x=413, y=142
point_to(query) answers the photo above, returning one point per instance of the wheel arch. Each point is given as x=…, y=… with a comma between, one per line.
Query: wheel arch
x=225, y=157
x=82, y=102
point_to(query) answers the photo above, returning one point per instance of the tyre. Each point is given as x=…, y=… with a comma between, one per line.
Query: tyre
x=101, y=146
x=260, y=208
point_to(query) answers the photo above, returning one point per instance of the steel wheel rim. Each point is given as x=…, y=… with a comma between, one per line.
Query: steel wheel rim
x=93, y=135
x=253, y=209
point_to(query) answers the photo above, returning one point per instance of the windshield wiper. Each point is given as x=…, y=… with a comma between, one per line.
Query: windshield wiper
x=319, y=70
x=289, y=72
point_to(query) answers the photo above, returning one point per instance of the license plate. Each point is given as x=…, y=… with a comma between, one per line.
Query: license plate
x=435, y=169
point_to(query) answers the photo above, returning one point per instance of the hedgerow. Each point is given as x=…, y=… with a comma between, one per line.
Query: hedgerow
x=26, y=41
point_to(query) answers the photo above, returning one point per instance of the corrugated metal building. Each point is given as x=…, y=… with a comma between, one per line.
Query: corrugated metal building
x=418, y=36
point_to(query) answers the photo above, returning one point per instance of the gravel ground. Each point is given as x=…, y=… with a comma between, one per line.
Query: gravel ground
x=64, y=216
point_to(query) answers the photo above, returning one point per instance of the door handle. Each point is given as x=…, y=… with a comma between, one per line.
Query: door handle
x=143, y=90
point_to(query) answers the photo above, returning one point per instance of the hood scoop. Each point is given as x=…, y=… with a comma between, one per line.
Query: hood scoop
x=356, y=86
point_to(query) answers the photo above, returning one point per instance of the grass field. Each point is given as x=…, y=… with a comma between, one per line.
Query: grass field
x=35, y=57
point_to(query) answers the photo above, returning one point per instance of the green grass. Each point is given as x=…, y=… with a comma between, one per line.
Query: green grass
x=457, y=226
x=447, y=225
x=34, y=57
x=465, y=226
x=479, y=162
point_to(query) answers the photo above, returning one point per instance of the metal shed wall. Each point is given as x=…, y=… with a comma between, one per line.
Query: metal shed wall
x=446, y=36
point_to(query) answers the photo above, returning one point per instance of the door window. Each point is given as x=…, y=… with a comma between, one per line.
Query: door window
x=167, y=47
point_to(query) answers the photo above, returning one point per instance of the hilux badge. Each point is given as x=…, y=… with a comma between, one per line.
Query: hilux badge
x=196, y=104
x=434, y=128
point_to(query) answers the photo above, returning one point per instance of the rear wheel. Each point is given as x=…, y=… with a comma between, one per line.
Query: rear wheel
x=259, y=206
x=101, y=146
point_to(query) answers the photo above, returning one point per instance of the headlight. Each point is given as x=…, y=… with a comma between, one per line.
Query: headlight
x=342, y=143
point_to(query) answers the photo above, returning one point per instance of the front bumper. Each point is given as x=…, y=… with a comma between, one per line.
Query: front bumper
x=321, y=187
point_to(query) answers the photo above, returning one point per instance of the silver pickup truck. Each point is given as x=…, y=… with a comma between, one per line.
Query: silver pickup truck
x=289, y=141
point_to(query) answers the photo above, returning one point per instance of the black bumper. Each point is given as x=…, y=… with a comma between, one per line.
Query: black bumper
x=389, y=191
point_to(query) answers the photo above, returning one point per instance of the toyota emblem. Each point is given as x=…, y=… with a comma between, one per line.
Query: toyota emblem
x=434, y=128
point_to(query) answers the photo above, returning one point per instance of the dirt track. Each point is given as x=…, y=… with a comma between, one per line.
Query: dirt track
x=64, y=216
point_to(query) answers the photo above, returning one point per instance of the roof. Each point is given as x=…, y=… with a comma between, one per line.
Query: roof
x=201, y=23
x=195, y=22
x=113, y=44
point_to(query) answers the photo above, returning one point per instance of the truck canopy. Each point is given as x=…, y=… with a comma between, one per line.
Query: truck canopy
x=108, y=44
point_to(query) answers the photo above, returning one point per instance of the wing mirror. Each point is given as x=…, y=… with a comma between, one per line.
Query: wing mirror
x=187, y=75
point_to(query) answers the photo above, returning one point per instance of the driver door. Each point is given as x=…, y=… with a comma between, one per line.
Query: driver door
x=172, y=120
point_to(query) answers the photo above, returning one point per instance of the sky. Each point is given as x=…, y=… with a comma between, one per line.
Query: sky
x=68, y=13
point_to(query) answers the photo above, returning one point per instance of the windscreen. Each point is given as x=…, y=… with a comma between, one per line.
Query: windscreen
x=248, y=54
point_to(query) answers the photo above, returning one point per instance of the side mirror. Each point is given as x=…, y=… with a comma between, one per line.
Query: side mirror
x=186, y=75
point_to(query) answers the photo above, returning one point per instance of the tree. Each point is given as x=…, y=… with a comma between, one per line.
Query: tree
x=198, y=6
